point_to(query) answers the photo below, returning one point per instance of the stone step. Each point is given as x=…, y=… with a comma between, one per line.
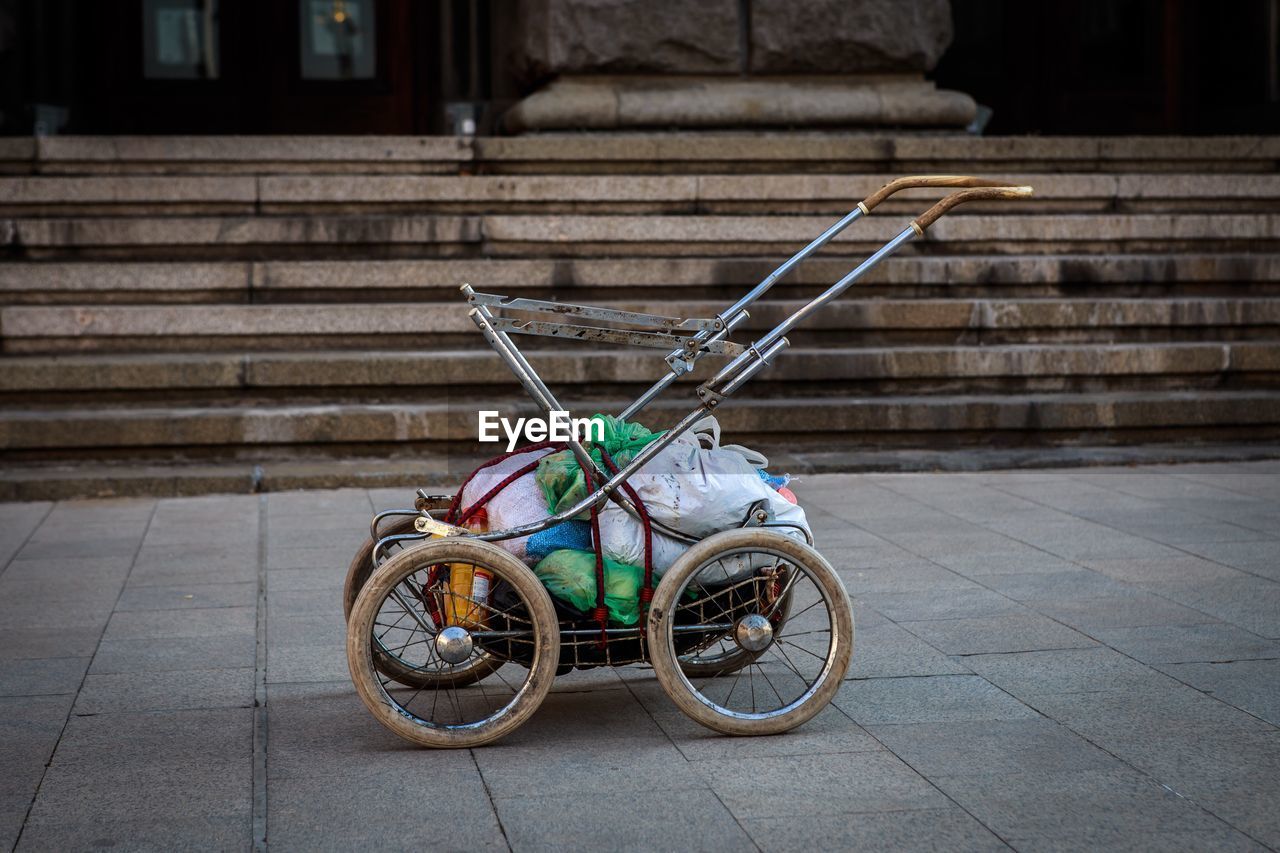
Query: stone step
x=573, y=278
x=702, y=194
x=343, y=375
x=1011, y=232
x=587, y=236
x=651, y=152
x=67, y=328
x=898, y=154
x=818, y=423
x=234, y=154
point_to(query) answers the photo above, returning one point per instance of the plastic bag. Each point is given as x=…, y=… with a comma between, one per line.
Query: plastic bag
x=571, y=576
x=560, y=475
x=519, y=503
x=622, y=539
x=697, y=487
x=702, y=490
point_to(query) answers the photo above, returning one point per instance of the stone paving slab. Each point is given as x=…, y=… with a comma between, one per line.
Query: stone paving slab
x=1045, y=660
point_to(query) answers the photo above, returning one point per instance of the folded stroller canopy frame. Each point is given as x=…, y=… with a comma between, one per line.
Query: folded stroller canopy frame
x=708, y=336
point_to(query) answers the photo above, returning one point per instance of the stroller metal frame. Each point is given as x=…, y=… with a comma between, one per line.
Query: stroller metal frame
x=687, y=340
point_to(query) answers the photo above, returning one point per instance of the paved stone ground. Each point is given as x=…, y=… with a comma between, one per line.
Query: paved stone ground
x=1045, y=660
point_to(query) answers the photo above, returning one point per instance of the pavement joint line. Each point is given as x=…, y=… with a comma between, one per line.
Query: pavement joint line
x=259, y=808
x=1135, y=535
x=1177, y=476
x=1022, y=651
x=1214, y=619
x=484, y=783
x=645, y=708
x=929, y=781
x=27, y=538
x=922, y=675
x=1214, y=662
x=1147, y=775
x=1075, y=477
x=1058, y=510
x=35, y=795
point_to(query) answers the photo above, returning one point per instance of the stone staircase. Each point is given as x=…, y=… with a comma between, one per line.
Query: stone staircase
x=214, y=313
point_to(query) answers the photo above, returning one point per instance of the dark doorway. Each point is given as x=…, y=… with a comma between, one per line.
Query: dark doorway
x=239, y=66
x=1120, y=66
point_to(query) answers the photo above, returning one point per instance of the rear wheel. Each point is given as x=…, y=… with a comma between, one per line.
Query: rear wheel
x=362, y=563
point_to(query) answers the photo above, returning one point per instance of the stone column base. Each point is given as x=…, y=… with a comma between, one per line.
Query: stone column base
x=698, y=103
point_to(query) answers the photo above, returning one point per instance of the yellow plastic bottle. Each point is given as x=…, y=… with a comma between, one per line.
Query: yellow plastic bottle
x=469, y=586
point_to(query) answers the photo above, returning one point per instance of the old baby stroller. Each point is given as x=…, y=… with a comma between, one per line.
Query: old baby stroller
x=749, y=631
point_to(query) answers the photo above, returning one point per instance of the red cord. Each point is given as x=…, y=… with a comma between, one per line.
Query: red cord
x=601, y=613
x=493, y=493
x=451, y=517
x=455, y=505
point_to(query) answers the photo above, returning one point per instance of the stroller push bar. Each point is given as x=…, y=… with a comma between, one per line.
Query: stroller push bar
x=716, y=385
x=682, y=362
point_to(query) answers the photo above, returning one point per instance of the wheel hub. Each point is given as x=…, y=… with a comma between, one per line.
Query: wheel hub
x=454, y=644
x=753, y=633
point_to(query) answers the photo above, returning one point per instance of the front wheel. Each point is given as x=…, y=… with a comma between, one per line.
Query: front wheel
x=401, y=608
x=786, y=670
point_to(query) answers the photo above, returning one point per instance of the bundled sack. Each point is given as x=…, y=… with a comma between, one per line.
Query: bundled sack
x=521, y=502
x=571, y=576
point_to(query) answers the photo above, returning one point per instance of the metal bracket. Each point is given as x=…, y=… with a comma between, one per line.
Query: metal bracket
x=598, y=334
x=709, y=396
x=427, y=524
x=424, y=500
x=757, y=515
x=590, y=312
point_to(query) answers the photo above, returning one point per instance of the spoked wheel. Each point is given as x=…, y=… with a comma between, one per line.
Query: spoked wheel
x=402, y=609
x=785, y=670
x=387, y=661
x=721, y=655
x=362, y=563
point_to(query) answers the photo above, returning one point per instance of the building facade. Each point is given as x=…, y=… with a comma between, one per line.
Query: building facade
x=503, y=66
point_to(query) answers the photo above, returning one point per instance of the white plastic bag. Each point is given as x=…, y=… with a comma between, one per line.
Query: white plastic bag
x=697, y=487
x=521, y=502
x=622, y=539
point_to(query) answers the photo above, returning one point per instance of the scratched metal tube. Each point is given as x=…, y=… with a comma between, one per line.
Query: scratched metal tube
x=735, y=314
x=801, y=314
x=542, y=395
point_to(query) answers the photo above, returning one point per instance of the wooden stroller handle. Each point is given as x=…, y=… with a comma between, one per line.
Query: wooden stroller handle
x=919, y=181
x=931, y=215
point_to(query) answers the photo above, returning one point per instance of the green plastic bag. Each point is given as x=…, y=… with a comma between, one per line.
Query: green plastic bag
x=560, y=475
x=571, y=576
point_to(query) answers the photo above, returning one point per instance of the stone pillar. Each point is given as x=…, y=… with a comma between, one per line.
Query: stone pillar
x=714, y=64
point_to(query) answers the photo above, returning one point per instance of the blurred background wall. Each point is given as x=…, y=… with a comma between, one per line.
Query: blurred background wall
x=441, y=66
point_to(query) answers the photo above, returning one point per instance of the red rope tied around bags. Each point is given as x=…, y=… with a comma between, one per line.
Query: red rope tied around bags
x=457, y=516
x=646, y=591
x=456, y=505
x=601, y=614
x=496, y=490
